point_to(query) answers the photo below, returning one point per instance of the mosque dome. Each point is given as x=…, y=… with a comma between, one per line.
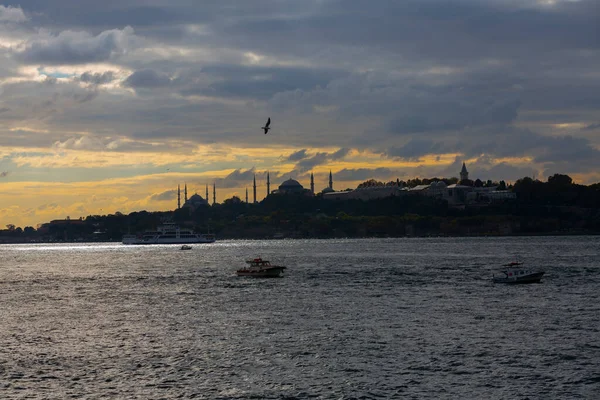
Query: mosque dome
x=327, y=190
x=196, y=200
x=291, y=185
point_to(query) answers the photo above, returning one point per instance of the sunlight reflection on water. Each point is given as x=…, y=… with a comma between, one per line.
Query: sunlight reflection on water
x=373, y=318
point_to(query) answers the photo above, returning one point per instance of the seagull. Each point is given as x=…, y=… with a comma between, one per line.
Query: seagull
x=266, y=127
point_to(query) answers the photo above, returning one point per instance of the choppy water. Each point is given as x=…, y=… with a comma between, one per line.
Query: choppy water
x=368, y=319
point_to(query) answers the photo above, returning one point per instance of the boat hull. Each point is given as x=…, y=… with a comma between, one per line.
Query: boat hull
x=532, y=278
x=273, y=272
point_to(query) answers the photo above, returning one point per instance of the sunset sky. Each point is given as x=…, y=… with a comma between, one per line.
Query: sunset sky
x=108, y=105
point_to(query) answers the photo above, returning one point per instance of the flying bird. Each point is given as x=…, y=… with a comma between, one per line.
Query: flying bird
x=266, y=127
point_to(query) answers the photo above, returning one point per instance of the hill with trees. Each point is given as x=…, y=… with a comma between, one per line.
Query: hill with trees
x=557, y=206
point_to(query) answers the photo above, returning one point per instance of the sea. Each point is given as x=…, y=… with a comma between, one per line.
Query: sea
x=406, y=318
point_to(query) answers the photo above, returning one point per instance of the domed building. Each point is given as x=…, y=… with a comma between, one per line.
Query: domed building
x=291, y=186
x=195, y=201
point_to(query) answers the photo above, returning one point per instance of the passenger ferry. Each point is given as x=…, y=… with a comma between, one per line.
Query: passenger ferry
x=169, y=233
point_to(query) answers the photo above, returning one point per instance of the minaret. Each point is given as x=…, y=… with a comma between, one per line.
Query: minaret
x=254, y=188
x=312, y=183
x=464, y=174
x=246, y=195
x=330, y=180
x=207, y=194
x=178, y=197
x=185, y=192
x=214, y=193
x=268, y=184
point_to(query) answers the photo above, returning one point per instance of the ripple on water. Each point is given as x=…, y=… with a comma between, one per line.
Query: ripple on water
x=390, y=318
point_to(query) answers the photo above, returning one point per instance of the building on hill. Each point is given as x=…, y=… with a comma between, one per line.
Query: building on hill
x=194, y=202
x=365, y=193
x=291, y=186
x=464, y=174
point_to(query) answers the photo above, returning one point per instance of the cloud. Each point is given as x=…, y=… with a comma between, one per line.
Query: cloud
x=239, y=178
x=76, y=47
x=97, y=78
x=341, y=153
x=415, y=149
x=164, y=196
x=591, y=127
x=12, y=14
x=4, y=174
x=306, y=162
x=147, y=79
x=568, y=149
x=362, y=174
x=259, y=82
x=297, y=155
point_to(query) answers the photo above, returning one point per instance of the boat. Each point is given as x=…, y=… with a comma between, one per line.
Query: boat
x=186, y=247
x=168, y=233
x=259, y=268
x=514, y=274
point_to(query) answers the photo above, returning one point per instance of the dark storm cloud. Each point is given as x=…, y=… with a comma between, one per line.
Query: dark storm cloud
x=164, y=196
x=438, y=76
x=568, y=149
x=544, y=149
x=309, y=163
x=147, y=79
x=239, y=178
x=341, y=153
x=415, y=149
x=306, y=162
x=97, y=78
x=432, y=29
x=362, y=174
x=259, y=82
x=297, y=155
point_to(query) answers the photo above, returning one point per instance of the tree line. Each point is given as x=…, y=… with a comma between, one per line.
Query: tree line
x=556, y=206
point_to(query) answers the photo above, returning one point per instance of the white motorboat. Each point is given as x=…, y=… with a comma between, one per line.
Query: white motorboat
x=259, y=268
x=514, y=275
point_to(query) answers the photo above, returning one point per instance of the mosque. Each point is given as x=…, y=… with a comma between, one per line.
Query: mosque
x=195, y=200
x=456, y=194
x=290, y=186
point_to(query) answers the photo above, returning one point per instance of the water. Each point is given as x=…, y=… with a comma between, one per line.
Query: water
x=365, y=319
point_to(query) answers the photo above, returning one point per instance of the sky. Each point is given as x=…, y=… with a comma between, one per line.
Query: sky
x=108, y=106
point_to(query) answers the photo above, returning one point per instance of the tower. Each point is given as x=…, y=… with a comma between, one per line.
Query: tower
x=254, y=187
x=312, y=183
x=464, y=174
x=207, y=193
x=268, y=184
x=330, y=180
x=246, y=195
x=178, y=197
x=214, y=193
x=185, y=192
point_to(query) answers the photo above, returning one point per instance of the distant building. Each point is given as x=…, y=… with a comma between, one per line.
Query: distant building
x=366, y=193
x=464, y=174
x=195, y=201
x=290, y=186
